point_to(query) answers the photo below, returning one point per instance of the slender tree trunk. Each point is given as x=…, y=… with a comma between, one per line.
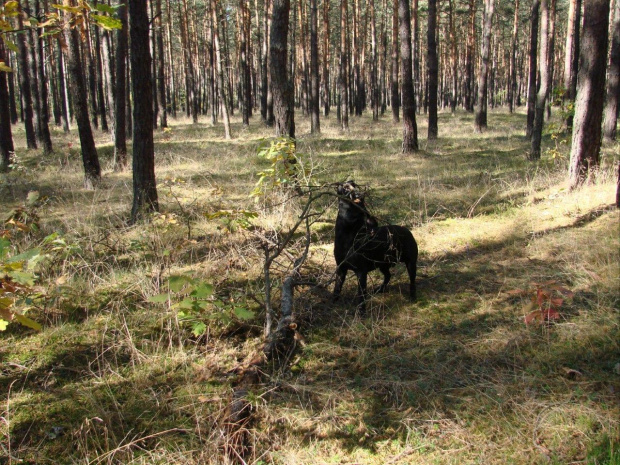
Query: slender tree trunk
x=154, y=60
x=64, y=94
x=281, y=87
x=315, y=126
x=343, y=77
x=92, y=77
x=374, y=84
x=481, y=107
x=161, y=78
x=245, y=66
x=25, y=82
x=469, y=58
x=543, y=64
x=613, y=80
x=394, y=88
x=220, y=69
x=120, y=104
x=512, y=84
x=454, y=59
x=7, y=149
x=90, y=159
x=12, y=104
x=144, y=185
x=410, y=128
x=326, y=59
x=433, y=69
x=44, y=111
x=531, y=93
x=571, y=61
x=108, y=83
x=103, y=116
x=586, y=143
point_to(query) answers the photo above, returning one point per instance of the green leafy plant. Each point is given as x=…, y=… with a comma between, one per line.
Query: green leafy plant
x=233, y=220
x=196, y=303
x=286, y=166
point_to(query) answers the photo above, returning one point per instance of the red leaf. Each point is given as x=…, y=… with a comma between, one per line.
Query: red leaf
x=536, y=315
x=551, y=314
x=557, y=302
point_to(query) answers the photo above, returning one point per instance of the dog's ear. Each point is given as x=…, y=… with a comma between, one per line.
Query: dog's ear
x=340, y=189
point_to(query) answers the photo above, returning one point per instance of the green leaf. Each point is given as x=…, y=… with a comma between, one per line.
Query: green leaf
x=186, y=304
x=25, y=256
x=32, y=198
x=5, y=245
x=4, y=68
x=11, y=45
x=159, y=298
x=102, y=7
x=3, y=324
x=202, y=291
x=107, y=22
x=243, y=313
x=23, y=277
x=198, y=328
x=24, y=320
x=177, y=282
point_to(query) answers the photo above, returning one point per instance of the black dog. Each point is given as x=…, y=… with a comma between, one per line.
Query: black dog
x=362, y=246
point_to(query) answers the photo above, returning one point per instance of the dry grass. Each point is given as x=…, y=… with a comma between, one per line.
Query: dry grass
x=456, y=377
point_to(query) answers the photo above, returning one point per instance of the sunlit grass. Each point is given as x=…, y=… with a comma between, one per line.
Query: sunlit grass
x=456, y=377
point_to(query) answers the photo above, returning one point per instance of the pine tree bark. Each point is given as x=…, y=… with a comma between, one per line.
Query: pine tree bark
x=101, y=98
x=326, y=60
x=7, y=149
x=315, y=125
x=144, y=185
x=469, y=58
x=410, y=128
x=64, y=93
x=432, y=69
x=44, y=112
x=90, y=159
x=586, y=143
x=344, y=74
x=395, y=96
x=25, y=83
x=120, y=102
x=161, y=80
x=543, y=90
x=281, y=87
x=531, y=93
x=571, y=57
x=613, y=80
x=481, y=108
x=512, y=74
x=220, y=69
x=244, y=64
x=10, y=79
x=453, y=57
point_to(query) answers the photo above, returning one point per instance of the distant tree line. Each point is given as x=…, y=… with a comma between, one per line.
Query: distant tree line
x=273, y=58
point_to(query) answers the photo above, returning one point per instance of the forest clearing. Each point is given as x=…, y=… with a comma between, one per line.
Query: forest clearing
x=455, y=377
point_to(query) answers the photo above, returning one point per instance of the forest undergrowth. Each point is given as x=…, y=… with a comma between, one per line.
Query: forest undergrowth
x=511, y=354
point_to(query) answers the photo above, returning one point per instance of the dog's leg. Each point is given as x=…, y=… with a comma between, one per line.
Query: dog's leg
x=362, y=284
x=411, y=269
x=341, y=274
x=385, y=269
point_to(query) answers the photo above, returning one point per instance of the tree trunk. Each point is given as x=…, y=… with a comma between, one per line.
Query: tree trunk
x=120, y=104
x=454, y=59
x=433, y=69
x=220, y=70
x=481, y=108
x=246, y=91
x=90, y=159
x=64, y=94
x=586, y=144
x=108, y=82
x=531, y=93
x=344, y=87
x=144, y=186
x=512, y=76
x=394, y=87
x=281, y=87
x=44, y=111
x=100, y=83
x=571, y=61
x=374, y=82
x=469, y=58
x=25, y=82
x=6, y=137
x=541, y=97
x=315, y=126
x=12, y=103
x=326, y=55
x=613, y=80
x=161, y=78
x=410, y=128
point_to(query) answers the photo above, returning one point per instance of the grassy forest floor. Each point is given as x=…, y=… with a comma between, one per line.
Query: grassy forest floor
x=456, y=377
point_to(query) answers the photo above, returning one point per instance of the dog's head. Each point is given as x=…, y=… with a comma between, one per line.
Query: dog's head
x=349, y=192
